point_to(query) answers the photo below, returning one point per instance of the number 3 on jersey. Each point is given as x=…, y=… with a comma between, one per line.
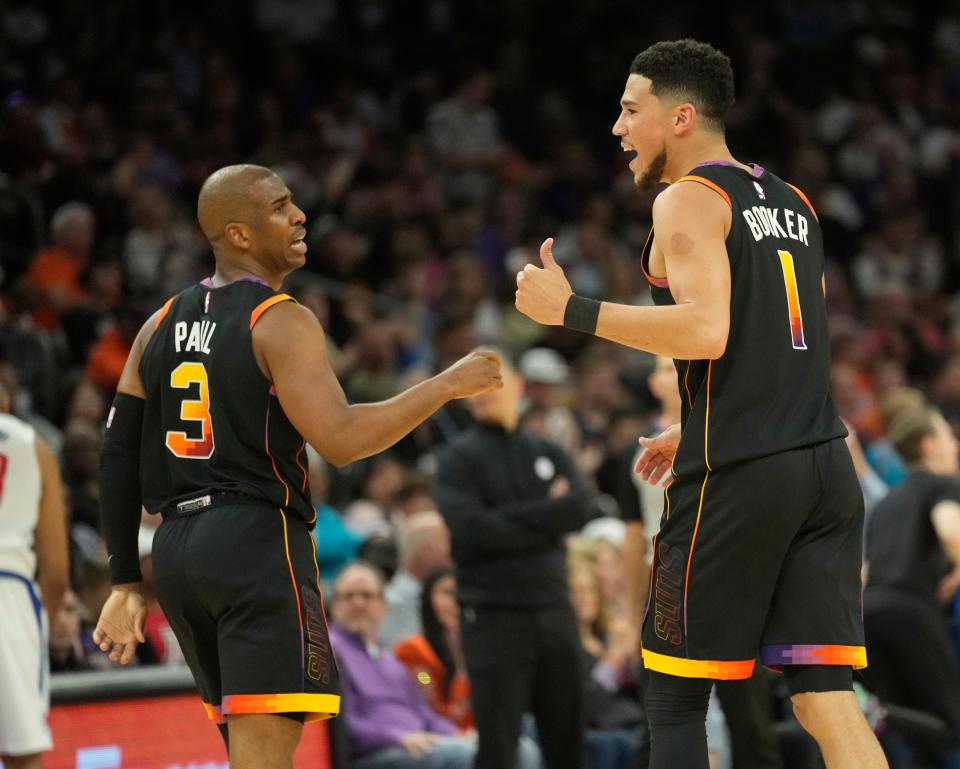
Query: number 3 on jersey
x=793, y=300
x=179, y=443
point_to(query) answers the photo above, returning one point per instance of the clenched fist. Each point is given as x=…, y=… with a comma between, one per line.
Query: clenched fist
x=542, y=292
x=476, y=373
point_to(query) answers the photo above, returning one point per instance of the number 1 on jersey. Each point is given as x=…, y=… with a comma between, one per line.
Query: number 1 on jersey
x=793, y=300
x=179, y=443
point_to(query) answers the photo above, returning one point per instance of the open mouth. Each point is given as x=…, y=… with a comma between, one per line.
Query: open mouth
x=300, y=245
x=634, y=159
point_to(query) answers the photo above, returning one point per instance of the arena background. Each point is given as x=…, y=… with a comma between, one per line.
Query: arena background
x=433, y=146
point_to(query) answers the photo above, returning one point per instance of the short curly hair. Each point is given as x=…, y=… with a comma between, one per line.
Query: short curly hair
x=690, y=71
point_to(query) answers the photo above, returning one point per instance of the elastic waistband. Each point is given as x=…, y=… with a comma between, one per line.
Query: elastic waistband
x=206, y=502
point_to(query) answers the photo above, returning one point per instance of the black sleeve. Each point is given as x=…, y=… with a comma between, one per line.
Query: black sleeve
x=119, y=477
x=947, y=489
x=561, y=515
x=473, y=526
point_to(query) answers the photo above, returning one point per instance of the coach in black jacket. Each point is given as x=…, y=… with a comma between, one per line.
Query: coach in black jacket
x=508, y=498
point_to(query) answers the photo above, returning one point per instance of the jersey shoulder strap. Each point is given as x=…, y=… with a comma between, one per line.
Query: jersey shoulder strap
x=707, y=183
x=266, y=304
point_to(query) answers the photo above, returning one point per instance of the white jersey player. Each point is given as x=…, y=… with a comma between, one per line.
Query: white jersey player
x=33, y=576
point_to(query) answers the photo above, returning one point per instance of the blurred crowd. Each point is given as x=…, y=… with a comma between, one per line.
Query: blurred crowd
x=434, y=145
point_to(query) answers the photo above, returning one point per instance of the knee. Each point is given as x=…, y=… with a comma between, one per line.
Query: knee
x=456, y=753
x=815, y=710
x=803, y=709
x=671, y=700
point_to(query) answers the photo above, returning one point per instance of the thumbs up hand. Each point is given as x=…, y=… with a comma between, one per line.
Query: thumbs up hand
x=542, y=292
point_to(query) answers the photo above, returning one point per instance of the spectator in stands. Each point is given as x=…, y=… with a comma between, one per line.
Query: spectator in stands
x=109, y=353
x=415, y=495
x=389, y=723
x=509, y=497
x=80, y=455
x=435, y=656
x=55, y=272
x=369, y=513
x=160, y=255
x=611, y=669
x=881, y=453
x=336, y=544
x=66, y=647
x=465, y=136
x=913, y=569
x=423, y=544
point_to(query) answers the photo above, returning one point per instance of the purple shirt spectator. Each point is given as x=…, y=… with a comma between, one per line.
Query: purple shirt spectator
x=381, y=703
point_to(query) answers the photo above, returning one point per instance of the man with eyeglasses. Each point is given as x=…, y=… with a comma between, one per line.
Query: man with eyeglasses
x=389, y=723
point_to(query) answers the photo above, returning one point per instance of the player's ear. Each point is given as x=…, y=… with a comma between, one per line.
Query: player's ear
x=237, y=235
x=684, y=118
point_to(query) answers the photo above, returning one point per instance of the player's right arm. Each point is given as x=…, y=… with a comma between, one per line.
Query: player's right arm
x=120, y=626
x=290, y=348
x=50, y=535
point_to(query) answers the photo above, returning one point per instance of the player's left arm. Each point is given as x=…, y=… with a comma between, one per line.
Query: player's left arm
x=692, y=222
x=120, y=626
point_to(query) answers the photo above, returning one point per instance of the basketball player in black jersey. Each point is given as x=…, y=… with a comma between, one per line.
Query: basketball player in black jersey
x=759, y=551
x=222, y=388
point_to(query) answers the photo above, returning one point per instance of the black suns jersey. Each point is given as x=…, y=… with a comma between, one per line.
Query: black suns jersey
x=212, y=422
x=769, y=391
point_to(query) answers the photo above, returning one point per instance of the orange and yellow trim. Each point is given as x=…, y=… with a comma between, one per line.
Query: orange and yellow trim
x=804, y=198
x=645, y=262
x=163, y=312
x=316, y=707
x=777, y=655
x=266, y=448
x=707, y=183
x=265, y=305
x=303, y=470
x=722, y=670
x=293, y=581
x=706, y=422
x=693, y=544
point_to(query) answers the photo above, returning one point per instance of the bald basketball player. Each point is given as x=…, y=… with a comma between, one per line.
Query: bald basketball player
x=224, y=385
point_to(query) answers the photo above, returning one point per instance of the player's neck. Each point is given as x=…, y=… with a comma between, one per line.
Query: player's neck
x=244, y=268
x=710, y=150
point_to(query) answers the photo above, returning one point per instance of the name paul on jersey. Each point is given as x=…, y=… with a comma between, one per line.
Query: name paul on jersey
x=764, y=222
x=197, y=336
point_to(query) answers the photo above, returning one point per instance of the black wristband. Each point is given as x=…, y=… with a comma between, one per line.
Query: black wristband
x=581, y=314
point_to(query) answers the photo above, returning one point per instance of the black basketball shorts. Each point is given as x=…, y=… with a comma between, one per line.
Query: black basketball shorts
x=761, y=558
x=240, y=587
